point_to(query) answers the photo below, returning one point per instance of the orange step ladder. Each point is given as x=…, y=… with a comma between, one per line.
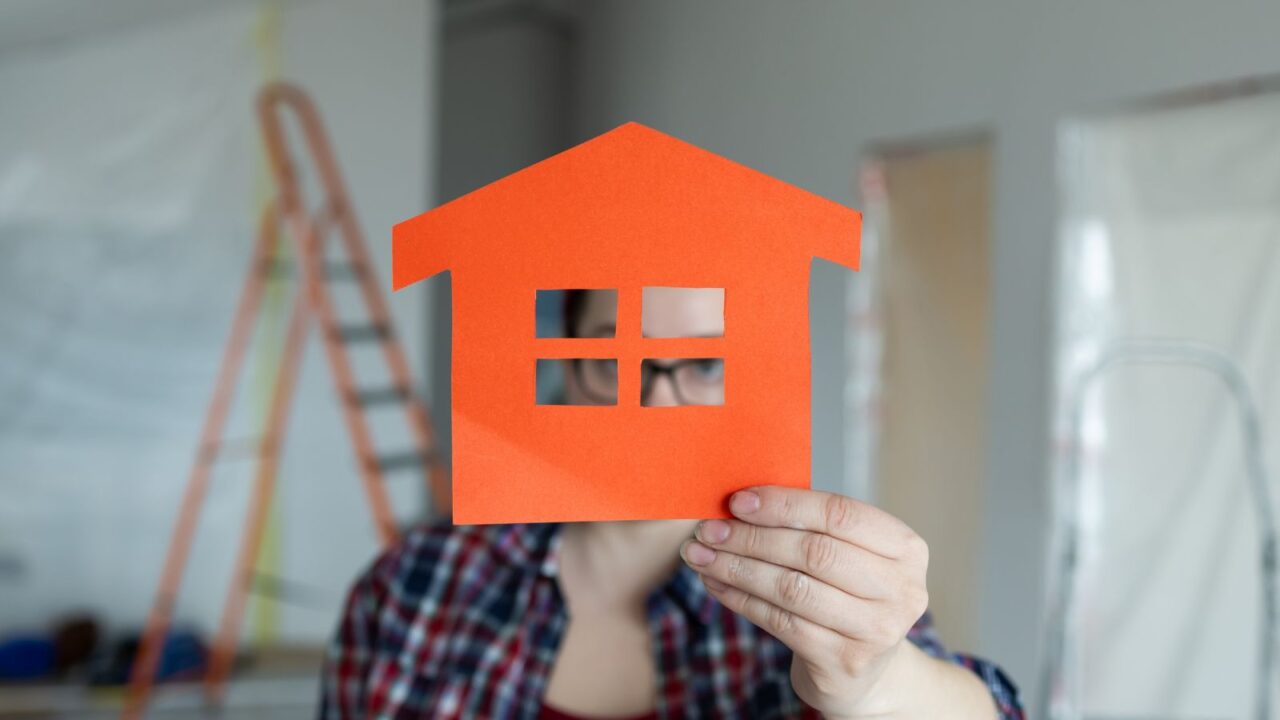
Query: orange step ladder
x=313, y=301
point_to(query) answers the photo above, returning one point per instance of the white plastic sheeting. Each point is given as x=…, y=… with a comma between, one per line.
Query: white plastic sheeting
x=1171, y=229
x=129, y=178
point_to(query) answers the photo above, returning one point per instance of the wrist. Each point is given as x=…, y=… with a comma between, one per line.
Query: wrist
x=917, y=685
x=894, y=693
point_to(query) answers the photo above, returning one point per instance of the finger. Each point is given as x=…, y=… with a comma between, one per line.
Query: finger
x=791, y=590
x=843, y=565
x=828, y=513
x=806, y=638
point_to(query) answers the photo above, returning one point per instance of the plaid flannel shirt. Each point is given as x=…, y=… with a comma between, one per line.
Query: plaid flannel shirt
x=465, y=622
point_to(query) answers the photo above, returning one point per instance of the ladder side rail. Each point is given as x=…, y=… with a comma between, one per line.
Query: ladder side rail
x=311, y=268
x=142, y=674
x=224, y=644
x=1158, y=351
x=341, y=211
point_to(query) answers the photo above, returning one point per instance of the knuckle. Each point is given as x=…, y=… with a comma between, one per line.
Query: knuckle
x=917, y=548
x=795, y=589
x=877, y=584
x=885, y=631
x=839, y=512
x=819, y=553
x=737, y=569
x=781, y=621
x=787, y=511
x=854, y=659
x=913, y=599
x=751, y=542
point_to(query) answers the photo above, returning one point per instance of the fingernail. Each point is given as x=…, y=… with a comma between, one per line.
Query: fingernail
x=714, y=584
x=699, y=554
x=744, y=501
x=713, y=531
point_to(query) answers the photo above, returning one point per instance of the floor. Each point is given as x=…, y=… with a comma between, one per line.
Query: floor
x=280, y=684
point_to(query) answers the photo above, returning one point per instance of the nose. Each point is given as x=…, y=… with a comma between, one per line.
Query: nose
x=662, y=393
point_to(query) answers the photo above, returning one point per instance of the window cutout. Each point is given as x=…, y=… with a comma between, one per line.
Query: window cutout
x=593, y=312
x=577, y=381
x=682, y=381
x=671, y=312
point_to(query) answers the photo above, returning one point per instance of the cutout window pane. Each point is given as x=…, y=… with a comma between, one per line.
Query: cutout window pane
x=681, y=312
x=577, y=381
x=684, y=381
x=592, y=312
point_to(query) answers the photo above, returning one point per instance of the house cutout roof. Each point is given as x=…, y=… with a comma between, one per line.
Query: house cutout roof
x=630, y=197
x=630, y=209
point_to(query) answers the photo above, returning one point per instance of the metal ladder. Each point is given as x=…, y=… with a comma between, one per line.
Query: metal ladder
x=313, y=301
x=1060, y=691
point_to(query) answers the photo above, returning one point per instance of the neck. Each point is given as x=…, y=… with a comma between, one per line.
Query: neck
x=632, y=557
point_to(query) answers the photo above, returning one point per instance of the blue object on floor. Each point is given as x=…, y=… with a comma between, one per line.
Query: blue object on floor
x=183, y=656
x=26, y=657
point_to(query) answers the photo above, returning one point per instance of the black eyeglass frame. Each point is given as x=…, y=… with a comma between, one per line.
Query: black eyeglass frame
x=647, y=381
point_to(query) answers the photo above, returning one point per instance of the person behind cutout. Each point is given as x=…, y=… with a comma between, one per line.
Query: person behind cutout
x=805, y=604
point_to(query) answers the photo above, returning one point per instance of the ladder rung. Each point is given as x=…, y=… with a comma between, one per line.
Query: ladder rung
x=333, y=269
x=363, y=333
x=275, y=267
x=379, y=396
x=400, y=461
x=329, y=212
x=342, y=270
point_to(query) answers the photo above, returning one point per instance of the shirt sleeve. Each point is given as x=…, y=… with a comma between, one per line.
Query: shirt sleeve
x=1003, y=691
x=344, y=691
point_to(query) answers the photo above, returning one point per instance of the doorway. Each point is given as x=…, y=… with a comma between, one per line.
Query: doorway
x=921, y=327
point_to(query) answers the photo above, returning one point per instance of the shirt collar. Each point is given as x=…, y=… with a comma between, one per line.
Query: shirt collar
x=688, y=590
x=531, y=546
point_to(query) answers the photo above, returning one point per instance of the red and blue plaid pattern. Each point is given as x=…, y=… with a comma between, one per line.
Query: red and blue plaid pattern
x=464, y=622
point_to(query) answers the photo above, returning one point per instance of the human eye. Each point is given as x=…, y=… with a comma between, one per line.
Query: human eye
x=604, y=368
x=708, y=369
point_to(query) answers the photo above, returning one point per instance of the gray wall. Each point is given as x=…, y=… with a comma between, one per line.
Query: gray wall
x=801, y=89
x=506, y=102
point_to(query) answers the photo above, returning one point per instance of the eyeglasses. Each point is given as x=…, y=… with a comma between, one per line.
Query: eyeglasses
x=694, y=381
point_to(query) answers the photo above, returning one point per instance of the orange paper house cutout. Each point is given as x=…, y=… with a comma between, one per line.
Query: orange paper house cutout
x=629, y=209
